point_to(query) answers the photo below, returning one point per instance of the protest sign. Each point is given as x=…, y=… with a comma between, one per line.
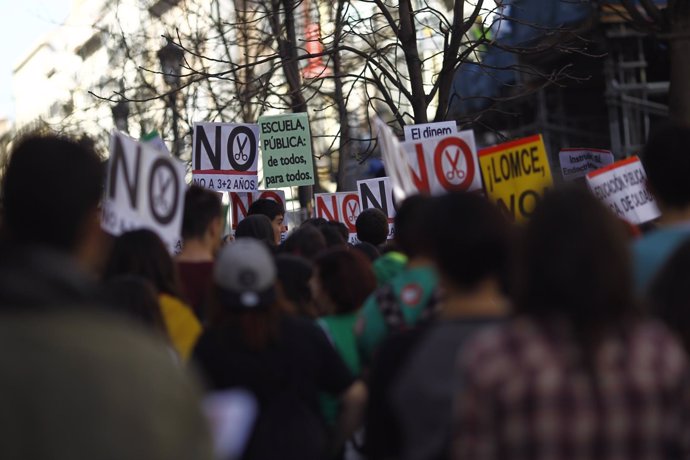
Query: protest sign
x=156, y=141
x=516, y=175
x=224, y=156
x=442, y=164
x=378, y=193
x=429, y=130
x=340, y=207
x=394, y=158
x=145, y=189
x=576, y=163
x=622, y=186
x=240, y=202
x=286, y=149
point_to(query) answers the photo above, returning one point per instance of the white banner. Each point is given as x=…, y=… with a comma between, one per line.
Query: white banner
x=623, y=187
x=577, y=163
x=394, y=159
x=225, y=156
x=378, y=193
x=340, y=207
x=443, y=164
x=145, y=189
x=241, y=201
x=429, y=130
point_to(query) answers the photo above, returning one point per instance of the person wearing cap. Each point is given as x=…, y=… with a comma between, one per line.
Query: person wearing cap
x=285, y=361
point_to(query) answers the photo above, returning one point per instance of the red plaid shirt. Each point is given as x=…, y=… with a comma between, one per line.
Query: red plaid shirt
x=526, y=394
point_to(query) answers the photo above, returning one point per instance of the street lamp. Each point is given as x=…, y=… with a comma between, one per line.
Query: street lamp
x=170, y=57
x=120, y=115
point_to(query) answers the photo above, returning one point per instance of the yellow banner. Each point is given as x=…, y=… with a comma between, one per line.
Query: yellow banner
x=516, y=174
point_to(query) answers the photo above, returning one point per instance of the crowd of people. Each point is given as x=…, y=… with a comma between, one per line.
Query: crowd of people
x=466, y=336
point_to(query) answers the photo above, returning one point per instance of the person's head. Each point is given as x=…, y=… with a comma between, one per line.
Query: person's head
x=575, y=264
x=317, y=222
x=202, y=217
x=244, y=279
x=412, y=228
x=256, y=226
x=333, y=236
x=294, y=274
x=51, y=192
x=275, y=213
x=667, y=164
x=470, y=241
x=343, y=279
x=341, y=228
x=368, y=249
x=372, y=226
x=83, y=384
x=669, y=292
x=135, y=297
x=306, y=241
x=143, y=253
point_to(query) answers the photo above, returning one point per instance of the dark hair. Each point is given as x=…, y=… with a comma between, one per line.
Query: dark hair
x=51, y=185
x=340, y=227
x=470, y=239
x=258, y=328
x=368, y=249
x=667, y=164
x=201, y=207
x=412, y=226
x=333, y=236
x=256, y=226
x=347, y=277
x=267, y=207
x=135, y=297
x=317, y=222
x=669, y=293
x=307, y=241
x=141, y=252
x=575, y=265
x=294, y=273
x=372, y=226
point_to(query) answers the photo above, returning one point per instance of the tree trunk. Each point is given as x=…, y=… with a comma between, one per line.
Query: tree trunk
x=408, y=41
x=344, y=150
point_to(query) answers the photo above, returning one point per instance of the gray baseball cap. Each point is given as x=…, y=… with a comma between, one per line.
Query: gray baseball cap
x=245, y=275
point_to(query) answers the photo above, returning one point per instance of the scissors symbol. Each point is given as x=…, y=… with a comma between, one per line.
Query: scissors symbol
x=241, y=155
x=454, y=172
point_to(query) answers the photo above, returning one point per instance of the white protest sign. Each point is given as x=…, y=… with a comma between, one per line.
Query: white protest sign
x=378, y=193
x=394, y=159
x=340, y=207
x=145, y=189
x=224, y=156
x=429, y=130
x=156, y=141
x=623, y=187
x=440, y=165
x=241, y=201
x=577, y=163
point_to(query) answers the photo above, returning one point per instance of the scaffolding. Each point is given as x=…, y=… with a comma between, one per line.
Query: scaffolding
x=633, y=100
